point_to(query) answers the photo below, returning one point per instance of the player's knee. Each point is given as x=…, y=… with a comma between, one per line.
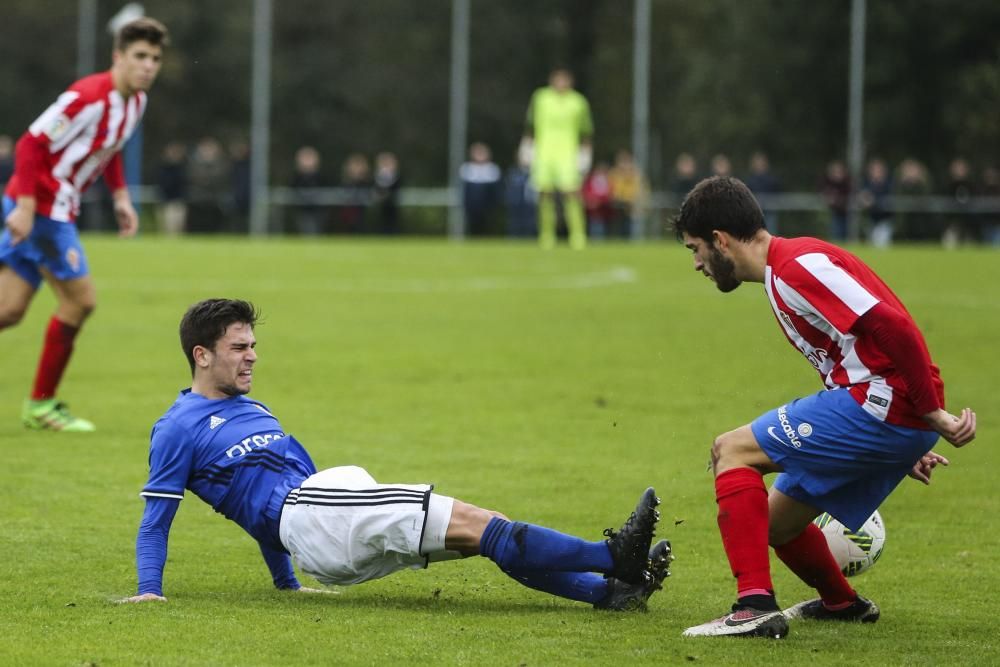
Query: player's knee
x=87, y=308
x=75, y=312
x=739, y=449
x=720, y=449
x=11, y=314
x=466, y=527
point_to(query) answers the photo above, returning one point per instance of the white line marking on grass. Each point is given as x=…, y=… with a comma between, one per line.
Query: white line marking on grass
x=615, y=276
x=618, y=275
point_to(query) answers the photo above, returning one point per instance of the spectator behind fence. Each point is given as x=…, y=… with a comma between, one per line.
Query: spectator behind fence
x=481, y=185
x=912, y=181
x=629, y=194
x=721, y=166
x=685, y=176
x=209, y=187
x=239, y=159
x=835, y=187
x=172, y=183
x=961, y=189
x=874, y=197
x=387, y=184
x=356, y=179
x=6, y=158
x=306, y=178
x=763, y=183
x=991, y=221
x=520, y=199
x=597, y=201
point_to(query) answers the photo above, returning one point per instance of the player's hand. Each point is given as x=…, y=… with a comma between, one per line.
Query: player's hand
x=922, y=468
x=128, y=219
x=20, y=223
x=959, y=430
x=145, y=597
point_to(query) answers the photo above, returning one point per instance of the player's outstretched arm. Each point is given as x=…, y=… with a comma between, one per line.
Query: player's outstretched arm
x=959, y=431
x=280, y=565
x=151, y=547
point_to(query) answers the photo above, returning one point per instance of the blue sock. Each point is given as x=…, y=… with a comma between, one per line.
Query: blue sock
x=579, y=586
x=524, y=546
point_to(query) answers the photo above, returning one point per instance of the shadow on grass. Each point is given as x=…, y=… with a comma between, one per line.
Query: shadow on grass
x=462, y=602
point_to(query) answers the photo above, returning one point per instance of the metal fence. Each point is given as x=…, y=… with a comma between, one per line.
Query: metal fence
x=799, y=213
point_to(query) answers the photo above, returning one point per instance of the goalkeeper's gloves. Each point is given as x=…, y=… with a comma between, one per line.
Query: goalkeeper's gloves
x=526, y=152
x=585, y=159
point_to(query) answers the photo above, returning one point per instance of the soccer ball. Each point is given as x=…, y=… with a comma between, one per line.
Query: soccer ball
x=854, y=552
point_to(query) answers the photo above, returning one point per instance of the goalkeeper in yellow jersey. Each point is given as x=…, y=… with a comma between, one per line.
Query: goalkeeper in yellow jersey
x=556, y=144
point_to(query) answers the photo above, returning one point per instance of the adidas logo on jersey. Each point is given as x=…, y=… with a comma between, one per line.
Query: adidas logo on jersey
x=215, y=421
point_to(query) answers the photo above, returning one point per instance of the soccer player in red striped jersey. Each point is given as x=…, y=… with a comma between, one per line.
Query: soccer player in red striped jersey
x=840, y=451
x=74, y=142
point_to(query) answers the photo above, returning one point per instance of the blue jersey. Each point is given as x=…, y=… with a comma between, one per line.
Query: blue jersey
x=233, y=454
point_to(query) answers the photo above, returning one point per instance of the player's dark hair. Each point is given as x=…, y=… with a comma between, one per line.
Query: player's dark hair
x=206, y=322
x=723, y=203
x=143, y=29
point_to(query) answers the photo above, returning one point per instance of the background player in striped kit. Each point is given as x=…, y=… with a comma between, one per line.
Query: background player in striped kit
x=842, y=450
x=76, y=140
x=340, y=525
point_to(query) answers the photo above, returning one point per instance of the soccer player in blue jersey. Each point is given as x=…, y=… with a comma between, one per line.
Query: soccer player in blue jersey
x=340, y=525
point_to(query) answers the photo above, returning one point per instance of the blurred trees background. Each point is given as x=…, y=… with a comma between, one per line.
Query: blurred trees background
x=727, y=76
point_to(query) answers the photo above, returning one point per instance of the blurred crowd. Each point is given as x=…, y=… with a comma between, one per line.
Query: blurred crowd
x=884, y=197
x=205, y=188
x=616, y=195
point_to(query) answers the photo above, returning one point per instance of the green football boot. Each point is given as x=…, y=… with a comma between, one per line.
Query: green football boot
x=53, y=415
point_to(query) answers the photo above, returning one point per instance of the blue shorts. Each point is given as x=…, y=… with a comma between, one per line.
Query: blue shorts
x=52, y=244
x=837, y=457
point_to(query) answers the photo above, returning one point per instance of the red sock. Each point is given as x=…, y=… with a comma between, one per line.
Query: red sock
x=809, y=557
x=55, y=356
x=742, y=502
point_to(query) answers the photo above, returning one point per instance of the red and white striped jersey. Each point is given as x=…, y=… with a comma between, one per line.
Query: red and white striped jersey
x=818, y=291
x=73, y=142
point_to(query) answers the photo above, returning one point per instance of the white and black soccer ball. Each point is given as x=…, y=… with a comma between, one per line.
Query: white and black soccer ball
x=854, y=552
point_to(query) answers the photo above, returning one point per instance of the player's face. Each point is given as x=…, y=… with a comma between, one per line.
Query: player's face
x=561, y=81
x=709, y=260
x=138, y=65
x=230, y=365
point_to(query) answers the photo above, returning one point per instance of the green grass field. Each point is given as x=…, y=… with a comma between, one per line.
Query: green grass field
x=551, y=386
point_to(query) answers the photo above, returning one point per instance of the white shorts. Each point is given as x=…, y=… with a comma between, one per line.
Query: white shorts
x=342, y=527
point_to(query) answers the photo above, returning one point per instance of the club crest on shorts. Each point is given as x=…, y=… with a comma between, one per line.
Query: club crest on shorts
x=73, y=259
